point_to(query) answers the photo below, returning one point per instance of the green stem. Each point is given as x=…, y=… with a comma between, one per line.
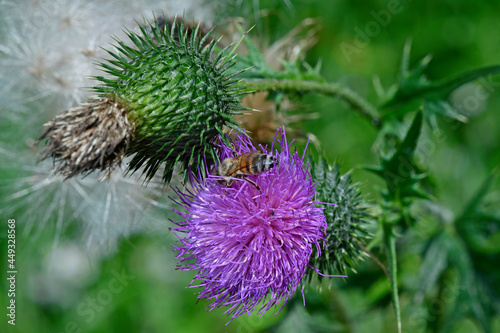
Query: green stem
x=390, y=247
x=357, y=102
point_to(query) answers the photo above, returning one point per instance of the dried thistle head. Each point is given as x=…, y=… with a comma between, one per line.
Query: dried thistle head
x=92, y=136
x=265, y=118
x=271, y=111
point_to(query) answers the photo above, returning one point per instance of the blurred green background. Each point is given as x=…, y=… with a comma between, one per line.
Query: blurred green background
x=136, y=287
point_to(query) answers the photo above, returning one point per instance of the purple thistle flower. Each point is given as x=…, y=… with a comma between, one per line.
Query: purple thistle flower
x=251, y=246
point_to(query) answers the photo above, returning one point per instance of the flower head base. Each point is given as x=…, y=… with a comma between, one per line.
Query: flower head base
x=251, y=246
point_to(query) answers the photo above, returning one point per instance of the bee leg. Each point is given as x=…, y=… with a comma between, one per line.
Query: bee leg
x=252, y=182
x=226, y=182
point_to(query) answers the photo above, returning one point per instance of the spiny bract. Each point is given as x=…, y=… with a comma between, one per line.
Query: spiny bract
x=179, y=94
x=346, y=219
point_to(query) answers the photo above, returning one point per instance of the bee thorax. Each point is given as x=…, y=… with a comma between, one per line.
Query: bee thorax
x=244, y=165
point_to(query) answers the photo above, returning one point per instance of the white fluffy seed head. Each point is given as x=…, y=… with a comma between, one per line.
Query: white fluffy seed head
x=47, y=55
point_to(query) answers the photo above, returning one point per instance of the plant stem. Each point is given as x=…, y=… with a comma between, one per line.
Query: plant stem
x=337, y=90
x=390, y=248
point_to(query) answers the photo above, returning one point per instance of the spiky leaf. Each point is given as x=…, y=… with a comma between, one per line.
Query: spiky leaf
x=399, y=171
x=414, y=85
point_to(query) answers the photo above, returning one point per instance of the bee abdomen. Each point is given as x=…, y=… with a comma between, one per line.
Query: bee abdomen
x=261, y=163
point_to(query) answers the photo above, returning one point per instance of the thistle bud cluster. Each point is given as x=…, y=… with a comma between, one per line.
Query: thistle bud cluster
x=168, y=101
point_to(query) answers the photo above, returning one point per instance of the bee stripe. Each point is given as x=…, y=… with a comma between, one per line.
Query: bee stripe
x=245, y=164
x=269, y=162
x=256, y=164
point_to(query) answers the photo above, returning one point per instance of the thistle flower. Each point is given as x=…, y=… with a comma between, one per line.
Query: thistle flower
x=249, y=245
x=172, y=89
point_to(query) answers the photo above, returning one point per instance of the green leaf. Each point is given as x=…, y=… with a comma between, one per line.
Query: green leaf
x=435, y=262
x=434, y=108
x=471, y=254
x=413, y=85
x=469, y=301
x=480, y=229
x=399, y=171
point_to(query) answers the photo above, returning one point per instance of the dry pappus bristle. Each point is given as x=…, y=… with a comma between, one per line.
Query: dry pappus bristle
x=92, y=136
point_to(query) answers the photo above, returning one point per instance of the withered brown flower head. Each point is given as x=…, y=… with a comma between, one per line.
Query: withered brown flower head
x=92, y=136
x=267, y=116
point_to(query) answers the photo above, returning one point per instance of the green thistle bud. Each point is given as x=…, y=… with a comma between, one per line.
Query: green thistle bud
x=346, y=220
x=178, y=97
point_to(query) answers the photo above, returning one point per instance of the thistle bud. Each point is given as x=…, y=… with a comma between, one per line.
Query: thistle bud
x=346, y=219
x=170, y=89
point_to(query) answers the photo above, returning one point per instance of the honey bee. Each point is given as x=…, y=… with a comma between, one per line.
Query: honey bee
x=244, y=165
